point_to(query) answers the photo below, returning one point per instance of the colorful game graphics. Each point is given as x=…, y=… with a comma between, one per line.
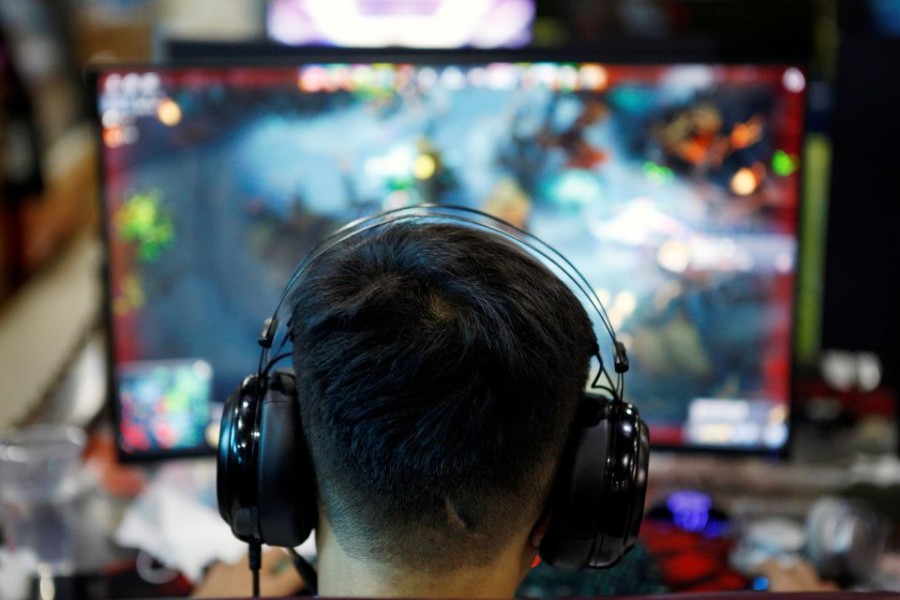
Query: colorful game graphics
x=674, y=188
x=164, y=405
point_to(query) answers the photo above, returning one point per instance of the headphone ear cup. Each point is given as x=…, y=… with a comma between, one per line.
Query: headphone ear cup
x=286, y=484
x=597, y=502
x=626, y=489
x=236, y=466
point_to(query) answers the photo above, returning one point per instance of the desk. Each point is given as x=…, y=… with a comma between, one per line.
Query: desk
x=745, y=488
x=786, y=490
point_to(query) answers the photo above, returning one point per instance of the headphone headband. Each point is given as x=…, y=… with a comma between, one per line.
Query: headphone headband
x=474, y=219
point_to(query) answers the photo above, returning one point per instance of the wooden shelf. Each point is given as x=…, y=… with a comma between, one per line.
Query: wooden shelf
x=44, y=323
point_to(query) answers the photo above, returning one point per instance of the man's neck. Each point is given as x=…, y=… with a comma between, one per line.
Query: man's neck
x=342, y=575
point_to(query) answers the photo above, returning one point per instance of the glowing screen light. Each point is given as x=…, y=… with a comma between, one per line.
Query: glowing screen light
x=744, y=182
x=168, y=112
x=593, y=77
x=794, y=80
x=424, y=167
x=411, y=23
x=783, y=163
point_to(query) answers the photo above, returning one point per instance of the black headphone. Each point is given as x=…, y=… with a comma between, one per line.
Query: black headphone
x=265, y=479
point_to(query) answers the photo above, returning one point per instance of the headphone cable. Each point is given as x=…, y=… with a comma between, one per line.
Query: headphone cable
x=254, y=558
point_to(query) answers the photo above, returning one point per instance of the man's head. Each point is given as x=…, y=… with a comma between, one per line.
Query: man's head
x=439, y=369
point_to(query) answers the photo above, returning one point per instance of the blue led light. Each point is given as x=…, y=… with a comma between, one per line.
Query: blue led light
x=759, y=584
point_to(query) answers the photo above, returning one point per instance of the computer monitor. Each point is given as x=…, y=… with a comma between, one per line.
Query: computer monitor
x=672, y=187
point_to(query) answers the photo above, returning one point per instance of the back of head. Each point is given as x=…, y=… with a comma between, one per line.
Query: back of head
x=439, y=369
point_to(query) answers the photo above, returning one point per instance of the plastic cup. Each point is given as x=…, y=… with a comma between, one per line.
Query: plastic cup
x=38, y=486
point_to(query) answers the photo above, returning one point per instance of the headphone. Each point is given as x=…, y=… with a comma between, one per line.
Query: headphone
x=265, y=480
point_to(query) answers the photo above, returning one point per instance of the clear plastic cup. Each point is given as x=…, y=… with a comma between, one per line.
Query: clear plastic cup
x=39, y=468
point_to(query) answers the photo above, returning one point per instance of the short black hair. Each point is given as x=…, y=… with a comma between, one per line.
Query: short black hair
x=439, y=369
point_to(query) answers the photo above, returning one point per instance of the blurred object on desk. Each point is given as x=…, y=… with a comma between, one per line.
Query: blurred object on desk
x=175, y=520
x=766, y=538
x=887, y=576
x=846, y=537
x=845, y=409
x=116, y=479
x=690, y=537
x=39, y=484
x=841, y=539
x=845, y=371
x=793, y=576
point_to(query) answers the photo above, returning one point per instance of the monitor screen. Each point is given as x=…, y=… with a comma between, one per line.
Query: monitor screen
x=673, y=188
x=409, y=23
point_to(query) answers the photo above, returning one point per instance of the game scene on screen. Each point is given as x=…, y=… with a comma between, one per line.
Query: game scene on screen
x=674, y=189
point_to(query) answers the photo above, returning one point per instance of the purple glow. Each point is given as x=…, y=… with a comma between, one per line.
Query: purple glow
x=411, y=23
x=690, y=509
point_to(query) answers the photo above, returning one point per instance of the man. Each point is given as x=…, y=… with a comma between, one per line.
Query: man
x=439, y=369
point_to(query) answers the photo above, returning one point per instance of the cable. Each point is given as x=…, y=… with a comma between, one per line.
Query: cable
x=306, y=572
x=273, y=362
x=254, y=559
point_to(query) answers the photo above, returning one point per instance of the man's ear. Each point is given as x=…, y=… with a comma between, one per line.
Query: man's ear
x=535, y=537
x=539, y=530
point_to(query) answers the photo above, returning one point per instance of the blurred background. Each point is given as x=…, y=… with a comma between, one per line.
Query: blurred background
x=845, y=356
x=846, y=323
